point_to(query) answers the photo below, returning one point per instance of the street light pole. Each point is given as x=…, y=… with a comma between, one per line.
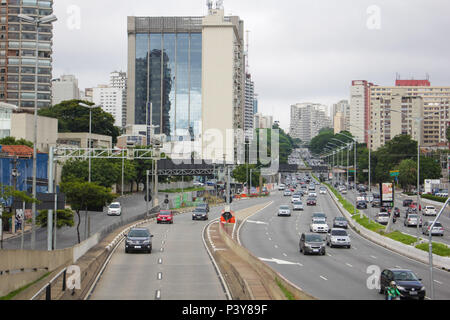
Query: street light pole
x=36, y=21
x=90, y=134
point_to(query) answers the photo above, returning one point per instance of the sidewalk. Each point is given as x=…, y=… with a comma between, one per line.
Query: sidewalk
x=9, y=235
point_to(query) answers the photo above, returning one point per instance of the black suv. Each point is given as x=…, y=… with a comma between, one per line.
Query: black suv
x=312, y=243
x=407, y=283
x=138, y=239
x=361, y=205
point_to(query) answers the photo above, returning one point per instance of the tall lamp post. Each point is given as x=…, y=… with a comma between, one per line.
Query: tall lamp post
x=355, y=143
x=37, y=22
x=90, y=132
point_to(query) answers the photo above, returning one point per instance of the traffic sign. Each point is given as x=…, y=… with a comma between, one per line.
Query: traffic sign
x=394, y=173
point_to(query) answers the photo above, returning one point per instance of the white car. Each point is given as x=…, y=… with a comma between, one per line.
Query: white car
x=281, y=187
x=114, y=209
x=284, y=211
x=312, y=194
x=287, y=193
x=323, y=190
x=382, y=218
x=295, y=198
x=338, y=237
x=298, y=205
x=344, y=190
x=198, y=184
x=319, y=226
x=429, y=211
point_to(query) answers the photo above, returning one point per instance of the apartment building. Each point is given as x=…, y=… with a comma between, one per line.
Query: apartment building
x=19, y=78
x=111, y=101
x=65, y=88
x=307, y=119
x=359, y=117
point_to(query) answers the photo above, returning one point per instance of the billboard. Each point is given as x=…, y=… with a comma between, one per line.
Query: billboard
x=387, y=192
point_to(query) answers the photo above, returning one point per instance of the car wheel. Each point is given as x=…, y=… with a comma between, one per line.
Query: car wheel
x=126, y=251
x=323, y=253
x=381, y=290
x=349, y=246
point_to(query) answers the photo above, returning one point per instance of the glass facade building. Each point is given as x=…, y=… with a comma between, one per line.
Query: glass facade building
x=168, y=76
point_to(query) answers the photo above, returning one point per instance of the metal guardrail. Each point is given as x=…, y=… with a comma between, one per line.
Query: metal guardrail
x=48, y=287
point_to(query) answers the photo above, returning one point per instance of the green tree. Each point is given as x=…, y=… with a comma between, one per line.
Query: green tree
x=74, y=118
x=64, y=218
x=429, y=169
x=408, y=174
x=84, y=196
x=7, y=193
x=12, y=141
x=242, y=174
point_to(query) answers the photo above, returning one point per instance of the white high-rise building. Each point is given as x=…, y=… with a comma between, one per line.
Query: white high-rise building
x=111, y=101
x=118, y=79
x=341, y=116
x=65, y=88
x=359, y=120
x=307, y=119
x=249, y=106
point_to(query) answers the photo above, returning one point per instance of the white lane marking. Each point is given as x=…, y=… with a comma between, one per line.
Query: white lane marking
x=162, y=249
x=348, y=264
x=276, y=247
x=160, y=261
x=159, y=275
x=437, y=281
x=373, y=257
x=162, y=242
x=257, y=222
x=329, y=255
x=398, y=267
x=284, y=254
x=278, y=261
x=158, y=294
x=323, y=278
x=219, y=249
x=270, y=239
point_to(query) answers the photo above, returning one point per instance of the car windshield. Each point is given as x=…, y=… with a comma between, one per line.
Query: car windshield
x=284, y=207
x=383, y=214
x=139, y=233
x=200, y=209
x=430, y=207
x=297, y=202
x=114, y=206
x=319, y=215
x=164, y=213
x=404, y=276
x=340, y=219
x=339, y=233
x=319, y=222
x=313, y=238
x=413, y=216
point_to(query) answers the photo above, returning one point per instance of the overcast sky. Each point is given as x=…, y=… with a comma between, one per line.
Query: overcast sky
x=300, y=50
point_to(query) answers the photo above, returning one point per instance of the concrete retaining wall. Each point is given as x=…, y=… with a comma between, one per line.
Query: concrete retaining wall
x=21, y=267
x=396, y=246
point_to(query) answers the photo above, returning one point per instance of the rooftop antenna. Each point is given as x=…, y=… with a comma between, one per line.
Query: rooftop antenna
x=219, y=4
x=209, y=4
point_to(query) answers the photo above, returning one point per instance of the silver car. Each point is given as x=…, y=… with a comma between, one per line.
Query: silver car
x=284, y=211
x=340, y=222
x=338, y=237
x=382, y=218
x=411, y=220
x=297, y=205
x=438, y=229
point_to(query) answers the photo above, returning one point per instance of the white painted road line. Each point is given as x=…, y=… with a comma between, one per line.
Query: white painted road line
x=373, y=257
x=437, y=281
x=284, y=254
x=276, y=247
x=160, y=261
x=158, y=294
x=270, y=239
x=159, y=275
x=323, y=278
x=348, y=264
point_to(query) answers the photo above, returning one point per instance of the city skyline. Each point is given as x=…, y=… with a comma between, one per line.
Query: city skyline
x=353, y=49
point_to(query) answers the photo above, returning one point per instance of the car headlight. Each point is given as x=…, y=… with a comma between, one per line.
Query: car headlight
x=423, y=288
x=146, y=241
x=400, y=288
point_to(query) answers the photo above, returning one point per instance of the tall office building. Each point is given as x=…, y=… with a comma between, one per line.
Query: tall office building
x=186, y=74
x=118, y=80
x=18, y=54
x=307, y=119
x=341, y=115
x=65, y=88
x=359, y=119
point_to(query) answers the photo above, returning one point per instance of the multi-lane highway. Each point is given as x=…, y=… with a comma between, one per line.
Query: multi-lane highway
x=179, y=267
x=340, y=274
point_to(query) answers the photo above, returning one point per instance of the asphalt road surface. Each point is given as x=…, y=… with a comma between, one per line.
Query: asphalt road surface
x=342, y=274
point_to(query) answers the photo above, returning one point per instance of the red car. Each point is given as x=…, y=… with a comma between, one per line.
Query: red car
x=165, y=216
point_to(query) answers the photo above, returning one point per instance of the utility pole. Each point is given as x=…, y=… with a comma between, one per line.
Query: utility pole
x=146, y=191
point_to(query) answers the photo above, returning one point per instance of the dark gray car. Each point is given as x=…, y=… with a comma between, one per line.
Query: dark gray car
x=200, y=213
x=312, y=243
x=138, y=239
